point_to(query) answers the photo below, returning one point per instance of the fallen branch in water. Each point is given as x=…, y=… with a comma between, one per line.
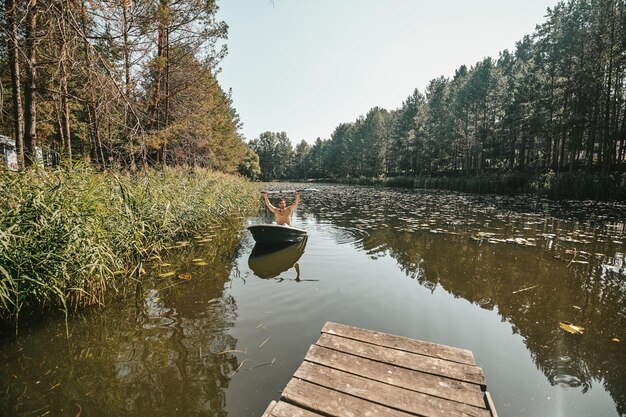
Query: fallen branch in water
x=264, y=342
x=263, y=364
x=525, y=289
x=232, y=351
x=238, y=368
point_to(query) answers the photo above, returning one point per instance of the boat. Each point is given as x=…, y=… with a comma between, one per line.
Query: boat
x=274, y=233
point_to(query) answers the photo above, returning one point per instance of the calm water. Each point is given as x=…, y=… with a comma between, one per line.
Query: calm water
x=494, y=275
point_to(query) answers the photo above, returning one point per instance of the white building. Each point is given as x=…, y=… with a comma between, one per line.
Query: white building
x=8, y=155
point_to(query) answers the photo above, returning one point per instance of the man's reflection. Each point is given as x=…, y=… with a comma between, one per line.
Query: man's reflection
x=269, y=261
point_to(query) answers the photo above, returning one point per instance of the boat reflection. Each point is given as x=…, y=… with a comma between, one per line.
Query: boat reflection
x=271, y=260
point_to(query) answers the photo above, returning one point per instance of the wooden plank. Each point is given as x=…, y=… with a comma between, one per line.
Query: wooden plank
x=332, y=403
x=401, y=343
x=269, y=409
x=454, y=370
x=490, y=405
x=434, y=385
x=388, y=395
x=284, y=409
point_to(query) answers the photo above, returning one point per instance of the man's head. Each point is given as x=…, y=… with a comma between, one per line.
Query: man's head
x=281, y=203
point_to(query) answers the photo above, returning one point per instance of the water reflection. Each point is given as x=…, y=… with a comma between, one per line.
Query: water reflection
x=271, y=260
x=167, y=353
x=185, y=346
x=537, y=262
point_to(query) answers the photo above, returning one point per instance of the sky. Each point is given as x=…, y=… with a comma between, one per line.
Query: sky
x=305, y=66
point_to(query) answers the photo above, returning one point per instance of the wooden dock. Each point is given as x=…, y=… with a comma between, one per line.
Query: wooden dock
x=352, y=372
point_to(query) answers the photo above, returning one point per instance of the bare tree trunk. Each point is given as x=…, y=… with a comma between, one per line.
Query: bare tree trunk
x=30, y=111
x=606, y=130
x=167, y=95
x=155, y=103
x=99, y=144
x=127, y=63
x=65, y=108
x=97, y=153
x=18, y=112
x=127, y=76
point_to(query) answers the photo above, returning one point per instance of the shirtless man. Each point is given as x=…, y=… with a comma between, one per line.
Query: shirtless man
x=282, y=213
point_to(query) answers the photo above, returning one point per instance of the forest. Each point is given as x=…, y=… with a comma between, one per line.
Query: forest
x=119, y=102
x=117, y=84
x=553, y=111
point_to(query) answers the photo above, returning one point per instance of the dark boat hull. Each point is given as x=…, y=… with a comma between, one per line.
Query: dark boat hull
x=273, y=233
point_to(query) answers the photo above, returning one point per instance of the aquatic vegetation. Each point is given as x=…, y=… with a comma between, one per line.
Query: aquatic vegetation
x=554, y=185
x=68, y=236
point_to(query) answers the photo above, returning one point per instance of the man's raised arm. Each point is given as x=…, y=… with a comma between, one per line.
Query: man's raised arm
x=295, y=205
x=267, y=202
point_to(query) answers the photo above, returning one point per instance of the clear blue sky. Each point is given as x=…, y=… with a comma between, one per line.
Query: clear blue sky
x=304, y=66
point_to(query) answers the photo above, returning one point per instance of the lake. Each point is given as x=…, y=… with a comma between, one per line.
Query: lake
x=218, y=327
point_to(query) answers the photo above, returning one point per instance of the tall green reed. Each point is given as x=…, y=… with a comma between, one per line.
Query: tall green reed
x=67, y=237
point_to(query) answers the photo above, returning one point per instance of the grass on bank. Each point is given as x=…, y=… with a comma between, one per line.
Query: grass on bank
x=67, y=237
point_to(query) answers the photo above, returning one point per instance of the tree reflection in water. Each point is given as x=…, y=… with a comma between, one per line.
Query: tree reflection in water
x=168, y=354
x=537, y=261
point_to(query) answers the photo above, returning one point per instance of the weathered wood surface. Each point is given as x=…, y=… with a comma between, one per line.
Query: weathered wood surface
x=268, y=410
x=404, y=359
x=490, y=404
x=401, y=343
x=333, y=403
x=388, y=395
x=283, y=409
x=356, y=372
x=400, y=377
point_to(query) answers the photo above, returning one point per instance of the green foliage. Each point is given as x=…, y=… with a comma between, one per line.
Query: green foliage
x=554, y=104
x=275, y=155
x=68, y=236
x=250, y=167
x=134, y=86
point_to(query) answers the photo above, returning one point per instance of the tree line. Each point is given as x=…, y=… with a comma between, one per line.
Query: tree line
x=123, y=83
x=555, y=104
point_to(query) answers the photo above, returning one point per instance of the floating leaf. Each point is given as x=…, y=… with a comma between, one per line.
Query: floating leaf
x=571, y=328
x=166, y=274
x=185, y=277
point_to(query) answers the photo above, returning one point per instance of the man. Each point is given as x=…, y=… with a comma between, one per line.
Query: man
x=282, y=213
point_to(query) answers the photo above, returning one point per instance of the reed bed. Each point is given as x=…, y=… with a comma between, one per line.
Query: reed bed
x=67, y=237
